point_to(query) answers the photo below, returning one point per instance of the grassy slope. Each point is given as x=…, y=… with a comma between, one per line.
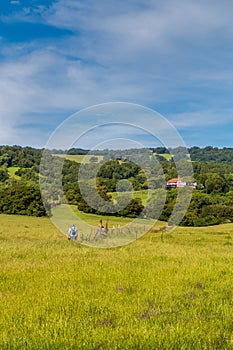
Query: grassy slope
x=57, y=294
x=143, y=195
x=167, y=156
x=122, y=230
x=78, y=157
x=12, y=170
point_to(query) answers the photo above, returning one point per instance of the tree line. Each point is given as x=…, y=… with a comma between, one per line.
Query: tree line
x=211, y=203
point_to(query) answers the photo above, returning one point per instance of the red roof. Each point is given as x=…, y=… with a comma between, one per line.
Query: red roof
x=174, y=180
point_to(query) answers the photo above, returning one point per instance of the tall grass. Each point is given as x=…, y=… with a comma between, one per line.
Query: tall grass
x=122, y=230
x=57, y=294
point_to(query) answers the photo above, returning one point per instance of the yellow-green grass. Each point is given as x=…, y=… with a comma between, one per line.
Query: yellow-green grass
x=151, y=294
x=167, y=156
x=12, y=170
x=143, y=195
x=79, y=158
x=92, y=219
x=122, y=230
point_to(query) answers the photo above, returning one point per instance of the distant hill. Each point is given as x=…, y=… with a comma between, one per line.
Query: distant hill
x=211, y=154
x=212, y=200
x=28, y=156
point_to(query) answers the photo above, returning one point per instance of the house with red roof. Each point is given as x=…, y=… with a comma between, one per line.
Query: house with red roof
x=177, y=182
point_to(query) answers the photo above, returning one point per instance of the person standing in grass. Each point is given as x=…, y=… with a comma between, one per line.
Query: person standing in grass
x=73, y=233
x=102, y=231
x=99, y=232
x=106, y=227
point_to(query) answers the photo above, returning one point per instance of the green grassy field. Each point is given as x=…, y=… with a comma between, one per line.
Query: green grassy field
x=167, y=156
x=78, y=157
x=12, y=170
x=151, y=294
x=122, y=230
x=143, y=195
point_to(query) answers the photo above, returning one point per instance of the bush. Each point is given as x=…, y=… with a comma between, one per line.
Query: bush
x=22, y=199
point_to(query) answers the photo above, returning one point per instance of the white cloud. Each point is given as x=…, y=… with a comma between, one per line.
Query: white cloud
x=147, y=53
x=151, y=28
x=201, y=118
x=42, y=83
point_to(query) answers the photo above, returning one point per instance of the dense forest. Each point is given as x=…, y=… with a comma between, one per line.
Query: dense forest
x=211, y=203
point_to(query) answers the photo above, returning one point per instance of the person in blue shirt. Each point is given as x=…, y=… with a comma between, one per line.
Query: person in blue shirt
x=73, y=233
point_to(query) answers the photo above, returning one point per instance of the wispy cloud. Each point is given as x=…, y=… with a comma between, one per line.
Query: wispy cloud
x=167, y=55
x=201, y=118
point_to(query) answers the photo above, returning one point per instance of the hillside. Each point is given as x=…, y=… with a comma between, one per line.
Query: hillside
x=211, y=204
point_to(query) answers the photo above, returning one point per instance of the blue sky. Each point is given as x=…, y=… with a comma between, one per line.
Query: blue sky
x=58, y=57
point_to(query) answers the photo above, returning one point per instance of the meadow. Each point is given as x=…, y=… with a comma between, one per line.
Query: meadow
x=79, y=158
x=142, y=194
x=175, y=293
x=12, y=170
